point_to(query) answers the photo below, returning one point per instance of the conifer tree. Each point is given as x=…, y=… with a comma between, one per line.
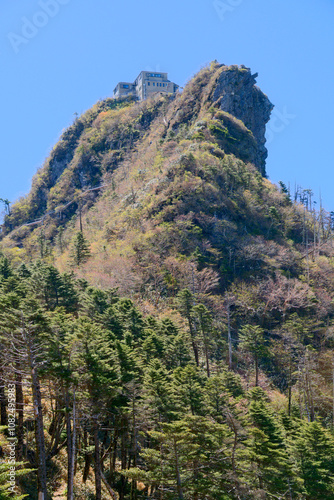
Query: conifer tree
x=251, y=339
x=204, y=319
x=63, y=345
x=5, y=268
x=185, y=301
x=189, y=460
x=80, y=249
x=176, y=345
x=216, y=396
x=46, y=282
x=313, y=449
x=158, y=392
x=23, y=329
x=97, y=373
x=188, y=385
x=267, y=451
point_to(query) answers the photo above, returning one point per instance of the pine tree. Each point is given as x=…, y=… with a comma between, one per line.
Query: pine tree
x=204, y=320
x=314, y=453
x=188, y=385
x=46, y=282
x=251, y=340
x=5, y=268
x=266, y=449
x=189, y=460
x=185, y=301
x=63, y=345
x=152, y=346
x=158, y=392
x=22, y=329
x=80, y=249
x=97, y=375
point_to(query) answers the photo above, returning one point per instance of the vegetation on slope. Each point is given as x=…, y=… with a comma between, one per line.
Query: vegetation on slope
x=150, y=404
x=179, y=307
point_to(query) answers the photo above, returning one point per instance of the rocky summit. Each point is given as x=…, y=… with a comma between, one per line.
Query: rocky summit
x=221, y=103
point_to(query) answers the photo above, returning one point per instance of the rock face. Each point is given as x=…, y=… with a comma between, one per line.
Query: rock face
x=237, y=94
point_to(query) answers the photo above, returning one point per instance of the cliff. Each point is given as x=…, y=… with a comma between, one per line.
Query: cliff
x=238, y=95
x=220, y=103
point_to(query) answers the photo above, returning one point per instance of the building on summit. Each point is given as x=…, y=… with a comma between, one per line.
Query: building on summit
x=145, y=85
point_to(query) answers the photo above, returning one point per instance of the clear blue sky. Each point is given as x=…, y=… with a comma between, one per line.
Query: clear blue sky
x=81, y=49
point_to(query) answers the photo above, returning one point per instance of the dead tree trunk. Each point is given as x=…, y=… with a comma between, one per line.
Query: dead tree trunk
x=3, y=403
x=229, y=336
x=69, y=447
x=177, y=472
x=39, y=426
x=97, y=457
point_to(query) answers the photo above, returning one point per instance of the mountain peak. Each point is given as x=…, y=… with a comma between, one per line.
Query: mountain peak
x=220, y=107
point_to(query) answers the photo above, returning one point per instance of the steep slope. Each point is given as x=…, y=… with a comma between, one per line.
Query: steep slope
x=232, y=285
x=167, y=191
x=99, y=140
x=169, y=194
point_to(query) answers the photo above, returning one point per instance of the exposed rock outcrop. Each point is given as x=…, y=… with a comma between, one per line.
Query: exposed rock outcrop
x=237, y=94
